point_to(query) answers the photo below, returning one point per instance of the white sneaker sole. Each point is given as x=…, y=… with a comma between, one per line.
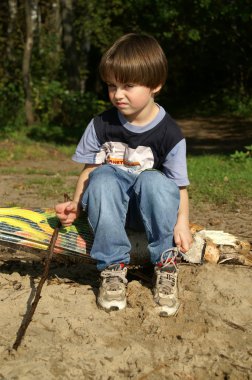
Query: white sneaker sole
x=166, y=311
x=112, y=305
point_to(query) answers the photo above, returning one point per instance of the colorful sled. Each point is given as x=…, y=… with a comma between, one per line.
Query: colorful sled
x=25, y=233
x=31, y=229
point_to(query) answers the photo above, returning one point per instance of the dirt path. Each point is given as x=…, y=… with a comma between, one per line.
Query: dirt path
x=69, y=338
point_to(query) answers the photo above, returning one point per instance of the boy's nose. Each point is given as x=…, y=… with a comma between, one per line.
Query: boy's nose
x=118, y=93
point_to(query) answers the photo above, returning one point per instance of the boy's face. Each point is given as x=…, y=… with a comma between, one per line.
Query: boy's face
x=134, y=101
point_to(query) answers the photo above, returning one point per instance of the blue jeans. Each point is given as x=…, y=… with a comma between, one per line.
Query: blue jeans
x=115, y=199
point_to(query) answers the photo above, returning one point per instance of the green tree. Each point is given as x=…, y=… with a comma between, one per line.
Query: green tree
x=208, y=44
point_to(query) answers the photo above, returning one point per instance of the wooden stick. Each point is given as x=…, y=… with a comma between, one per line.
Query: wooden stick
x=27, y=320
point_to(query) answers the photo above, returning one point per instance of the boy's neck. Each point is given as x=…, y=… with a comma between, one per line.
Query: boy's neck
x=143, y=117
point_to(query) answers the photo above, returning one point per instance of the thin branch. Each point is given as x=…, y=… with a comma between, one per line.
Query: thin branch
x=27, y=320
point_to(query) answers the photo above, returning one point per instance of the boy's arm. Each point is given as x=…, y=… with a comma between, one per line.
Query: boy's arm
x=182, y=235
x=83, y=182
x=67, y=212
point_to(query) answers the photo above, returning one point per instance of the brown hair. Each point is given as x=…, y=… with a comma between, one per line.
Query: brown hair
x=135, y=58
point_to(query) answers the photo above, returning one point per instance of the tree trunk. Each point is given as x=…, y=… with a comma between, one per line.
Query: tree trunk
x=4, y=37
x=13, y=10
x=58, y=26
x=30, y=16
x=68, y=42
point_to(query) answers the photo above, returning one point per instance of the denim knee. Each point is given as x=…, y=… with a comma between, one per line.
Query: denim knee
x=105, y=178
x=105, y=183
x=102, y=174
x=99, y=181
x=154, y=182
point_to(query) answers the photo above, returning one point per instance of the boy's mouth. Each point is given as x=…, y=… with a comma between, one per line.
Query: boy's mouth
x=121, y=104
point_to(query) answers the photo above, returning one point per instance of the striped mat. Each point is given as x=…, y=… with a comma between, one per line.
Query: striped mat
x=33, y=227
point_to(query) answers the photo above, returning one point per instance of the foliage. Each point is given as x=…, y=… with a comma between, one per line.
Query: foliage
x=208, y=44
x=62, y=114
x=226, y=102
x=240, y=156
x=11, y=107
x=238, y=104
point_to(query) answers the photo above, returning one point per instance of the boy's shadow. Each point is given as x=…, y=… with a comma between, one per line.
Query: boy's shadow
x=72, y=273
x=61, y=272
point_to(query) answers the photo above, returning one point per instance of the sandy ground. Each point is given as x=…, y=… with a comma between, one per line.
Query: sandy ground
x=70, y=338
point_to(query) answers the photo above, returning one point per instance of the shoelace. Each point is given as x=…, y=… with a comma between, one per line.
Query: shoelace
x=167, y=279
x=113, y=278
x=168, y=257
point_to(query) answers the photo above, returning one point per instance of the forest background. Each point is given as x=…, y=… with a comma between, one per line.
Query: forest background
x=50, y=51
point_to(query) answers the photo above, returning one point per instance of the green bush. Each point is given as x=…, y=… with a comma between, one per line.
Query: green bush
x=47, y=100
x=62, y=114
x=229, y=102
x=238, y=104
x=12, y=116
x=240, y=156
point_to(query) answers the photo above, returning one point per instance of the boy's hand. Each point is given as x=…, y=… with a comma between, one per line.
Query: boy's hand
x=182, y=237
x=67, y=212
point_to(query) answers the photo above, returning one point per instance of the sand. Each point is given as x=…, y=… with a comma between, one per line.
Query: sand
x=70, y=338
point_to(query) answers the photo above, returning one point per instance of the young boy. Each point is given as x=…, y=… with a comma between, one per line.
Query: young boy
x=135, y=175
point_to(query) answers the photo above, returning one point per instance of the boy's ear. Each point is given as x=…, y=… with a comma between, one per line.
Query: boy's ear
x=156, y=89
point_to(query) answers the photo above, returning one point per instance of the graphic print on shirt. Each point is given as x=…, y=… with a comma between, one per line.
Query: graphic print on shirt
x=119, y=154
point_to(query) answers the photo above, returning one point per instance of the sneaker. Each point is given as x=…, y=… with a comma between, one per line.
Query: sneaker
x=112, y=292
x=166, y=284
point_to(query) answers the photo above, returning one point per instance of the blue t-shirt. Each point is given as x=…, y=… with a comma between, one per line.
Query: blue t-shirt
x=111, y=139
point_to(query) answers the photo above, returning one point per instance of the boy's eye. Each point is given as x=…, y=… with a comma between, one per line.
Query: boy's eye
x=112, y=86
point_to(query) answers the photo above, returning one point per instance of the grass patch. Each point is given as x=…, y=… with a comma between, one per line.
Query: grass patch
x=48, y=187
x=67, y=150
x=7, y=171
x=37, y=171
x=22, y=150
x=26, y=149
x=219, y=179
x=26, y=171
x=46, y=172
